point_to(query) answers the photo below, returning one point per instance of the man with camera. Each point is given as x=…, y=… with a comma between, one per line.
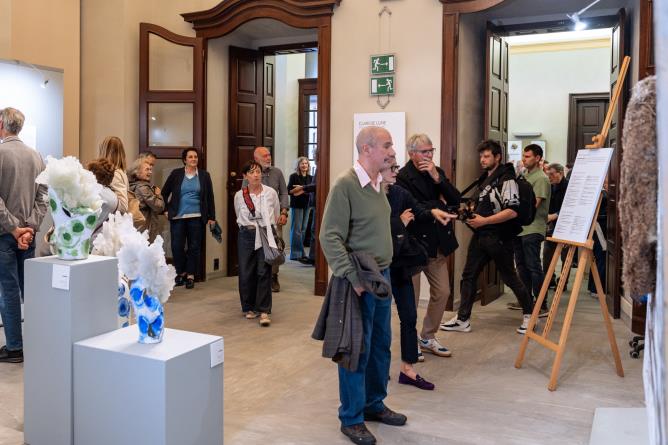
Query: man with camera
x=429, y=186
x=494, y=226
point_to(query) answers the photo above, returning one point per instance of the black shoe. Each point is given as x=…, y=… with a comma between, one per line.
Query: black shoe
x=179, y=281
x=386, y=416
x=8, y=356
x=275, y=286
x=359, y=434
x=190, y=283
x=304, y=260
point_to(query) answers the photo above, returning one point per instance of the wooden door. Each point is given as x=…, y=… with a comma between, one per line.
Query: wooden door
x=496, y=127
x=646, y=65
x=246, y=115
x=269, y=102
x=614, y=257
x=586, y=114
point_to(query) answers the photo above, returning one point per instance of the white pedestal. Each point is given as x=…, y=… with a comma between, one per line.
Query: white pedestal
x=619, y=426
x=162, y=394
x=54, y=320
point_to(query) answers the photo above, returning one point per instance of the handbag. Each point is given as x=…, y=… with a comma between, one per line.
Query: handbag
x=273, y=256
x=138, y=218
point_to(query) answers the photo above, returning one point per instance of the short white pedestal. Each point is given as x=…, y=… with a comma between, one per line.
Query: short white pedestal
x=161, y=394
x=54, y=320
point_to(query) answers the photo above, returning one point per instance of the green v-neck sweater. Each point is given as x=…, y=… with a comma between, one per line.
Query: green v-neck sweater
x=356, y=219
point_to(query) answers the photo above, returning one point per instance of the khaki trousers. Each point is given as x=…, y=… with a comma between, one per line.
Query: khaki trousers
x=439, y=292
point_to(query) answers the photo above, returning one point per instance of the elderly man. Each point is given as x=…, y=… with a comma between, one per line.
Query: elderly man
x=22, y=208
x=559, y=184
x=429, y=186
x=273, y=177
x=357, y=219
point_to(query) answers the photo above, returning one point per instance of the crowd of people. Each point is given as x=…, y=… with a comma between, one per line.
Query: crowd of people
x=403, y=217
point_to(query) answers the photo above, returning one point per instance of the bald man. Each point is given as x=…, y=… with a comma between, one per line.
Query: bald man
x=273, y=177
x=357, y=219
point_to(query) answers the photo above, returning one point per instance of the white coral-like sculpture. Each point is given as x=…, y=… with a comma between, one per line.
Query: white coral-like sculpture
x=137, y=259
x=76, y=187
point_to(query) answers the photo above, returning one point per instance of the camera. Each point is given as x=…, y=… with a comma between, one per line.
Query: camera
x=464, y=211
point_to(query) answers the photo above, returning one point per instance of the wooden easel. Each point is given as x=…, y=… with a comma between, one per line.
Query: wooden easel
x=586, y=259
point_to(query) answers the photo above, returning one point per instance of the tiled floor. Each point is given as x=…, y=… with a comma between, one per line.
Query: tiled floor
x=278, y=390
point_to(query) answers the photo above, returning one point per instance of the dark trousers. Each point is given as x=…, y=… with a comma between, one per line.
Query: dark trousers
x=484, y=248
x=549, y=248
x=527, y=261
x=11, y=284
x=365, y=389
x=186, y=231
x=311, y=250
x=254, y=274
x=404, y=297
x=599, y=257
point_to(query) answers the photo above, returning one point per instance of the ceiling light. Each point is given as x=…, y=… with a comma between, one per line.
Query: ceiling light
x=153, y=118
x=579, y=25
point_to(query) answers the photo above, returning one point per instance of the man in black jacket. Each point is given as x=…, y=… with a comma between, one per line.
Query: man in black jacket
x=494, y=226
x=429, y=186
x=555, y=174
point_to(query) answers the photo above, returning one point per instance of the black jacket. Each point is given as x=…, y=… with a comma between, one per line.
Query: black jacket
x=410, y=254
x=301, y=201
x=171, y=193
x=428, y=194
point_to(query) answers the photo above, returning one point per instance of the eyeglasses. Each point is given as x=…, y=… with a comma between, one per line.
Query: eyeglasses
x=394, y=168
x=429, y=151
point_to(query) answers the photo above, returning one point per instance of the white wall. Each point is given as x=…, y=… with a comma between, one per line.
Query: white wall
x=289, y=68
x=42, y=107
x=539, y=86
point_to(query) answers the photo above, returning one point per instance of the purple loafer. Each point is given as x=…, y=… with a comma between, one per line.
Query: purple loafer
x=418, y=382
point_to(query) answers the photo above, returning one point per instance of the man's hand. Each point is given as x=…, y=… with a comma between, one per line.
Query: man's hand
x=443, y=217
x=429, y=167
x=297, y=190
x=359, y=290
x=282, y=220
x=477, y=221
x=407, y=216
x=25, y=240
x=18, y=232
x=156, y=190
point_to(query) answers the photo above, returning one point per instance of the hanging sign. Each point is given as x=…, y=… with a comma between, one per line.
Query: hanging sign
x=382, y=86
x=382, y=64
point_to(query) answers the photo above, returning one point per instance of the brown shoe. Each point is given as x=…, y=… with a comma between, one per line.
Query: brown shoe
x=251, y=315
x=275, y=286
x=359, y=434
x=264, y=319
x=386, y=416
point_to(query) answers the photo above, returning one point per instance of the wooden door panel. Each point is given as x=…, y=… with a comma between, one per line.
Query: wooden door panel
x=268, y=104
x=246, y=116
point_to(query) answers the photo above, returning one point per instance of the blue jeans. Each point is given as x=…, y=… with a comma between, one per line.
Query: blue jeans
x=297, y=232
x=365, y=389
x=527, y=259
x=190, y=230
x=11, y=282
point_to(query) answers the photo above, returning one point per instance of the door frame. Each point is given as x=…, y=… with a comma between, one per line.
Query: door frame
x=573, y=100
x=315, y=14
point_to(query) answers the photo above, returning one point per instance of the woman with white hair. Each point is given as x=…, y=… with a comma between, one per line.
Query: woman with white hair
x=151, y=202
x=299, y=206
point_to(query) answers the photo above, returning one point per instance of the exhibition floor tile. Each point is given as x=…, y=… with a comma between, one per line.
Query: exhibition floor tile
x=279, y=390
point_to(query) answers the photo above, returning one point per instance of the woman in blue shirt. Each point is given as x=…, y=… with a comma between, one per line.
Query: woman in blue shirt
x=188, y=193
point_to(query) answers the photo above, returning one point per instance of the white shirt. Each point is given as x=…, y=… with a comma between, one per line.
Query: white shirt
x=364, y=178
x=267, y=209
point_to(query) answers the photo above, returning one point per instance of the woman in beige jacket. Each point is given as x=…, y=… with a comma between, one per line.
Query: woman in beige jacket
x=112, y=150
x=151, y=203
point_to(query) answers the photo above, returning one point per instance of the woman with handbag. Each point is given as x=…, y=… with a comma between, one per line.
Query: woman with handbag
x=188, y=193
x=257, y=209
x=408, y=258
x=151, y=204
x=112, y=149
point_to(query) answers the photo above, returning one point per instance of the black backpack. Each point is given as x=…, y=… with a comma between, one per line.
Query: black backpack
x=527, y=210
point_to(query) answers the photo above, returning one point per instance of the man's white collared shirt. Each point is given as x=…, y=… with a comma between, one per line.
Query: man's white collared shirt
x=364, y=178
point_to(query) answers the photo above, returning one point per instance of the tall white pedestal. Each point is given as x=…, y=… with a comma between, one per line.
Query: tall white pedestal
x=54, y=320
x=169, y=393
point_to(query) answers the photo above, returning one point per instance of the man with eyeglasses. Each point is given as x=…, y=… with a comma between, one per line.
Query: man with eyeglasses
x=430, y=187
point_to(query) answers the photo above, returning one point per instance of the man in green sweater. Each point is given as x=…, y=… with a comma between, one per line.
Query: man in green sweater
x=357, y=218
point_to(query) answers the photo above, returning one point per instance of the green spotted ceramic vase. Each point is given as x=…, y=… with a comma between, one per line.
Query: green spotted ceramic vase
x=71, y=238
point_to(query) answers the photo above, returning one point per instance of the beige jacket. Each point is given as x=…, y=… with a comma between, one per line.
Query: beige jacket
x=120, y=186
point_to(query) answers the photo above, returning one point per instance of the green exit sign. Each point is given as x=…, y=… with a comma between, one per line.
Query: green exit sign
x=382, y=86
x=382, y=64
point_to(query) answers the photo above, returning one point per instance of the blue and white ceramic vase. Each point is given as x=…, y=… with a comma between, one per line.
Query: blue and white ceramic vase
x=73, y=229
x=149, y=313
x=124, y=305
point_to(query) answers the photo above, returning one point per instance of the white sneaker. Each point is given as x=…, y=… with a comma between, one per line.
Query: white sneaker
x=434, y=347
x=455, y=324
x=525, y=324
x=420, y=356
